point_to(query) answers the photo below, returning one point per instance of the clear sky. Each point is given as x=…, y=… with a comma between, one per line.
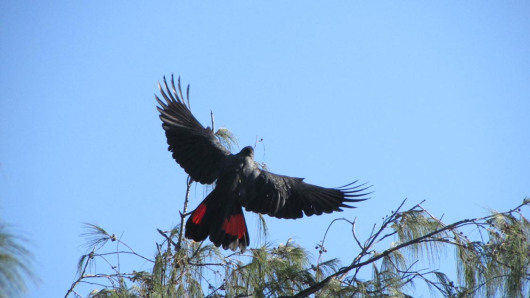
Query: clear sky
x=425, y=100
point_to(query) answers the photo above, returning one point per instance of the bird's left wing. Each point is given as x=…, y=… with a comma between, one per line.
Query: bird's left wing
x=289, y=197
x=196, y=149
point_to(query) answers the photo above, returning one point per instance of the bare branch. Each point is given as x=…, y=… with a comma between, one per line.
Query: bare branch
x=185, y=208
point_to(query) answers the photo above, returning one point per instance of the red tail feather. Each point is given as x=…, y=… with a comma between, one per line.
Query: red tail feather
x=198, y=224
x=223, y=223
x=235, y=225
x=198, y=214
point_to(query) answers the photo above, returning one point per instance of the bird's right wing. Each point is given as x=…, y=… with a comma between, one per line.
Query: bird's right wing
x=195, y=148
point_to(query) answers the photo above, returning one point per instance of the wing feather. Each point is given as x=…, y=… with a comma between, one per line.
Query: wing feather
x=195, y=148
x=289, y=197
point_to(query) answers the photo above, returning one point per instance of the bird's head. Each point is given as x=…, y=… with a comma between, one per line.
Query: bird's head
x=247, y=151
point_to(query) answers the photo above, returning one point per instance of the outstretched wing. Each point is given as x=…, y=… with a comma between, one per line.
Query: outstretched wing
x=195, y=148
x=290, y=197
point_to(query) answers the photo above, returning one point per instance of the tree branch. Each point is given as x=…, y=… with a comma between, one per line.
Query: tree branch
x=318, y=286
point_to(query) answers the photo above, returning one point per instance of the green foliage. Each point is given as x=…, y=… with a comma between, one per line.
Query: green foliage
x=417, y=223
x=226, y=138
x=500, y=263
x=96, y=236
x=15, y=264
x=273, y=271
x=496, y=264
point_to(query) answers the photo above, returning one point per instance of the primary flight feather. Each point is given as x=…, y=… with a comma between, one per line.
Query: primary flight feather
x=239, y=180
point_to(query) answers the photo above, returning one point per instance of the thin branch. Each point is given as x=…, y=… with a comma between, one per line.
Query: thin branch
x=322, y=250
x=213, y=120
x=169, y=240
x=81, y=275
x=124, y=252
x=189, y=181
x=354, y=234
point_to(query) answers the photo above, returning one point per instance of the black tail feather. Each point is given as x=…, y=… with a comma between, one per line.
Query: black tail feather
x=223, y=223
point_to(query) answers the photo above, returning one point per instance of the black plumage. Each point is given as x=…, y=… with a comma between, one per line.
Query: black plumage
x=239, y=180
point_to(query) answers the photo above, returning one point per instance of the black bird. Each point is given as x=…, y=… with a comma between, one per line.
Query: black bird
x=239, y=180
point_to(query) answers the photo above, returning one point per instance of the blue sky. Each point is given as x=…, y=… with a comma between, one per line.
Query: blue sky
x=423, y=100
